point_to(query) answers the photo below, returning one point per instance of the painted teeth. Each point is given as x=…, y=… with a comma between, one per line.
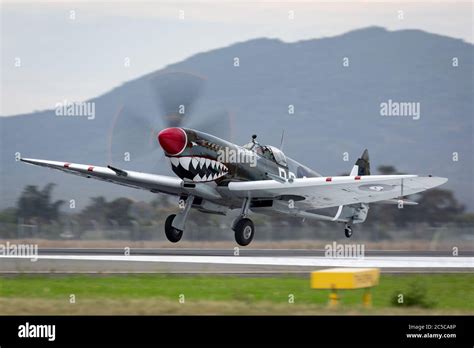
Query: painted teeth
x=195, y=163
x=184, y=161
x=209, y=170
x=174, y=161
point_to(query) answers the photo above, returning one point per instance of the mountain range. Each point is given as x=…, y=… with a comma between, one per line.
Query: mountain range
x=334, y=85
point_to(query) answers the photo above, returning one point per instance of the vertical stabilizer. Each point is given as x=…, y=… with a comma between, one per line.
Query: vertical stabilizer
x=362, y=165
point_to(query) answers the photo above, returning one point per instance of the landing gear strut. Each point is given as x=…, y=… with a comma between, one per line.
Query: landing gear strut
x=243, y=226
x=348, y=230
x=174, y=225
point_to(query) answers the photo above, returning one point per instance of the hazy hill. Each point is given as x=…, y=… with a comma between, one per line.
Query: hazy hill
x=337, y=109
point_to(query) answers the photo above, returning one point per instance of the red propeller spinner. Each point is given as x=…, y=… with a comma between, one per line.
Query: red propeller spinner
x=173, y=140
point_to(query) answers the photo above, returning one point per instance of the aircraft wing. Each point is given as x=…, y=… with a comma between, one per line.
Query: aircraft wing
x=325, y=192
x=150, y=182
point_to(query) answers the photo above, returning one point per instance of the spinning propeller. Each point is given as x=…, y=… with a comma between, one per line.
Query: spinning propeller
x=133, y=134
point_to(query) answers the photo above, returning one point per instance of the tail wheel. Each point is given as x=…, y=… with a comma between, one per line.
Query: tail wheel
x=244, y=231
x=173, y=234
x=348, y=231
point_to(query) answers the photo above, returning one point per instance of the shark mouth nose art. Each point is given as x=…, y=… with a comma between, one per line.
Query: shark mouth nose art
x=198, y=169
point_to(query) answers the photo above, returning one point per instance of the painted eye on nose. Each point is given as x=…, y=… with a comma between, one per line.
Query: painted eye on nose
x=173, y=140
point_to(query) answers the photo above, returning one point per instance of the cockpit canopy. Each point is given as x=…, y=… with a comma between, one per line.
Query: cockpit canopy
x=269, y=152
x=278, y=155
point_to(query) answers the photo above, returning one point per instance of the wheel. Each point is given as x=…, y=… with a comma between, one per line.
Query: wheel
x=244, y=231
x=173, y=234
x=348, y=231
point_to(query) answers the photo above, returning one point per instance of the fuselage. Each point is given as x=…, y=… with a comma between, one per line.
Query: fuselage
x=200, y=157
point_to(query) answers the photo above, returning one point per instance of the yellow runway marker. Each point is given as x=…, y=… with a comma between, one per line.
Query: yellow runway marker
x=336, y=279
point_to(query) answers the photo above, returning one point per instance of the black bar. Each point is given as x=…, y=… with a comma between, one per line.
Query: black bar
x=225, y=330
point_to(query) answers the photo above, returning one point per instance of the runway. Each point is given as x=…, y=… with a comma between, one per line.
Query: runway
x=222, y=261
x=242, y=252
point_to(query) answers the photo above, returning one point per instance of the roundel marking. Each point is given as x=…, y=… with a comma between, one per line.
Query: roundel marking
x=376, y=187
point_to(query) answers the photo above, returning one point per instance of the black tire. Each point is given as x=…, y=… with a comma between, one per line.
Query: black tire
x=348, y=232
x=244, y=231
x=173, y=234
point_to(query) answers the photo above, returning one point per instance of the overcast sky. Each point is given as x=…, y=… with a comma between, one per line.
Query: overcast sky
x=77, y=50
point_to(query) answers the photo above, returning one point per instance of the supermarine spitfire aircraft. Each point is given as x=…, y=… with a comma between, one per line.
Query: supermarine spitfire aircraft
x=215, y=176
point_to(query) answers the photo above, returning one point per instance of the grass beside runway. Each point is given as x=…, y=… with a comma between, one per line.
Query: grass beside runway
x=161, y=294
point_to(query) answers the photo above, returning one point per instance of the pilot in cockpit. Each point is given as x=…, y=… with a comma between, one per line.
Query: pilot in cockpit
x=264, y=151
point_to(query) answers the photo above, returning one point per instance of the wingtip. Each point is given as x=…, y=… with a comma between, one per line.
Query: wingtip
x=29, y=160
x=437, y=180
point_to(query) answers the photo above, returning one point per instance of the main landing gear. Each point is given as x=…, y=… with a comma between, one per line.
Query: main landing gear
x=244, y=231
x=174, y=225
x=173, y=234
x=243, y=226
x=348, y=230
